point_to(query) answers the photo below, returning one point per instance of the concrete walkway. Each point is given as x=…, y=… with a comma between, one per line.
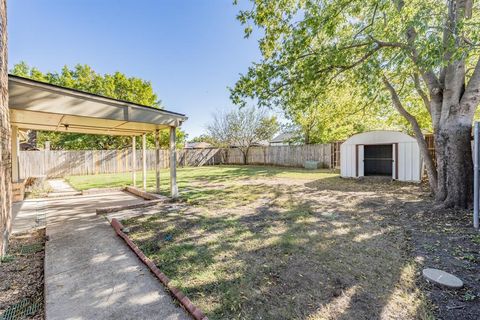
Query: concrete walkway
x=28, y=214
x=89, y=271
x=61, y=188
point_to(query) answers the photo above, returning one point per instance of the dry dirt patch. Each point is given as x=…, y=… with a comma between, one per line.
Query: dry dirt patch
x=21, y=274
x=328, y=249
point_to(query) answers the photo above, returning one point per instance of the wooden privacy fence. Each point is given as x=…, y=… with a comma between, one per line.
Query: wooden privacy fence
x=55, y=164
x=288, y=156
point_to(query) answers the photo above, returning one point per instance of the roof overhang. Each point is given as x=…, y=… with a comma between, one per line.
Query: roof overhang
x=42, y=106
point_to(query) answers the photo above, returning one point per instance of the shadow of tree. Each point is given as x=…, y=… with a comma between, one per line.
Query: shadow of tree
x=319, y=252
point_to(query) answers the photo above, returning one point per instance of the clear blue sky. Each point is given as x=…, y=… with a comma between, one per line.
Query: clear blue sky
x=190, y=50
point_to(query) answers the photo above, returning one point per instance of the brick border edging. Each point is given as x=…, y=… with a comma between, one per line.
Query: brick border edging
x=194, y=311
x=143, y=194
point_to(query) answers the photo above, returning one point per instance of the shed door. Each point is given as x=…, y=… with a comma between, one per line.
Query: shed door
x=377, y=160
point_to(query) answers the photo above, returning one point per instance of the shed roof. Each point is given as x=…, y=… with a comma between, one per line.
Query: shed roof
x=379, y=137
x=43, y=106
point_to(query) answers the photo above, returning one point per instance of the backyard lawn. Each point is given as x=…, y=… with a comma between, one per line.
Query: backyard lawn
x=191, y=180
x=275, y=243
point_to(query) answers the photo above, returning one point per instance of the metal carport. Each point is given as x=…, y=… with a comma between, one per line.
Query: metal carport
x=41, y=106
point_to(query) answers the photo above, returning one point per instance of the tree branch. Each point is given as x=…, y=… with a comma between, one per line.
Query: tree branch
x=423, y=95
x=433, y=84
x=344, y=68
x=432, y=173
x=470, y=98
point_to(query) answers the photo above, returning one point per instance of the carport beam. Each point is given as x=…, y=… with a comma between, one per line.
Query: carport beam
x=144, y=161
x=134, y=161
x=157, y=160
x=173, y=164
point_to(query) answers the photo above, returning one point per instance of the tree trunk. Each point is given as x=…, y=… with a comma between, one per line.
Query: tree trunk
x=5, y=138
x=32, y=139
x=441, y=164
x=457, y=164
x=245, y=155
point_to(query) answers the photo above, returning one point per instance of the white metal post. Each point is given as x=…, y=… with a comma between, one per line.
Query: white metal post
x=134, y=162
x=173, y=164
x=144, y=161
x=157, y=160
x=476, y=158
x=15, y=147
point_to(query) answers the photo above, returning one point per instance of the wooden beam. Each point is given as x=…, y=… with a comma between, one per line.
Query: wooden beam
x=173, y=164
x=144, y=161
x=157, y=160
x=15, y=148
x=134, y=161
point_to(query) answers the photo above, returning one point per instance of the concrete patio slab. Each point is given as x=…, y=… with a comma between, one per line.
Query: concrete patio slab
x=28, y=215
x=90, y=273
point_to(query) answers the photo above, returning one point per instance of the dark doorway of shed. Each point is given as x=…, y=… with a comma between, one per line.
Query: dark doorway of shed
x=378, y=160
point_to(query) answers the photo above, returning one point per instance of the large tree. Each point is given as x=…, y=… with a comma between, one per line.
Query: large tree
x=395, y=49
x=5, y=138
x=116, y=85
x=242, y=128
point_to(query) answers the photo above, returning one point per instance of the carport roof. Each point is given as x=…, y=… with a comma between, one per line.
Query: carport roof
x=42, y=106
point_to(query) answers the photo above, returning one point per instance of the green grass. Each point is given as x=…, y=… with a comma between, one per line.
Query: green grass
x=189, y=175
x=252, y=242
x=251, y=249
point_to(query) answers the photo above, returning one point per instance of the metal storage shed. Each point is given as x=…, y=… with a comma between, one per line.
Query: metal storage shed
x=381, y=153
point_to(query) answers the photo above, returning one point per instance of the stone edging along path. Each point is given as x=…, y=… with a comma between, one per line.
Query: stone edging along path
x=194, y=311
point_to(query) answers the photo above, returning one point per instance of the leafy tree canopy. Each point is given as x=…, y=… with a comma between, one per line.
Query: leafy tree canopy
x=116, y=85
x=324, y=59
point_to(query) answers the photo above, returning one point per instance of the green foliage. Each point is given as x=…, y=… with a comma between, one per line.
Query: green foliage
x=339, y=113
x=324, y=59
x=116, y=85
x=202, y=138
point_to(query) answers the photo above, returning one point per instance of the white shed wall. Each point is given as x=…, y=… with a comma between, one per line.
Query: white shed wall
x=409, y=160
x=409, y=163
x=347, y=160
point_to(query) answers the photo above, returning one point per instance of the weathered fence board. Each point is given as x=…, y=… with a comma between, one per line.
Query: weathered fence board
x=64, y=163
x=288, y=156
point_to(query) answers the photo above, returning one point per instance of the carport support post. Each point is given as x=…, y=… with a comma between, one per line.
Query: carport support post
x=134, y=161
x=15, y=173
x=144, y=161
x=157, y=160
x=173, y=164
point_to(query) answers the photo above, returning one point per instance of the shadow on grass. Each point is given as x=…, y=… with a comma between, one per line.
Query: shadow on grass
x=292, y=259
x=366, y=184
